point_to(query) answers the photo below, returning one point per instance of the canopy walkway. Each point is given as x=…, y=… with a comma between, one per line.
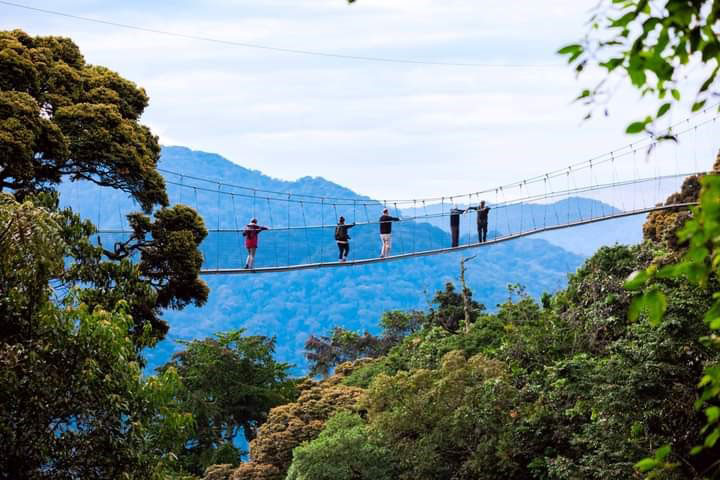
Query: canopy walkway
x=632, y=180
x=403, y=256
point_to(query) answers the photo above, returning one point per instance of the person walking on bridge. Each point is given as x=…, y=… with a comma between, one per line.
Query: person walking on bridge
x=251, y=232
x=482, y=220
x=342, y=238
x=455, y=225
x=386, y=232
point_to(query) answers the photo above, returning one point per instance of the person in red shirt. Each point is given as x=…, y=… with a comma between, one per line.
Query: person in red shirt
x=251, y=232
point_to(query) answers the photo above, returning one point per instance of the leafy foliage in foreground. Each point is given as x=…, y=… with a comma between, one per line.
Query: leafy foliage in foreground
x=653, y=44
x=73, y=400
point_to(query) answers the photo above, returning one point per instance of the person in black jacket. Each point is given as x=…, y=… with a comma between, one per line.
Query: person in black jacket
x=342, y=238
x=455, y=225
x=386, y=232
x=482, y=220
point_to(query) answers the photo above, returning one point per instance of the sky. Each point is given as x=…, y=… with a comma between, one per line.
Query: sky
x=387, y=130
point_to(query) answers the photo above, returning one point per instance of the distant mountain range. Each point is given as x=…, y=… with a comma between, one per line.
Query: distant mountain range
x=293, y=305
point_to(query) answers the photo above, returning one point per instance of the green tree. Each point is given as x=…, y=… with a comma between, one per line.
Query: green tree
x=452, y=422
x=230, y=383
x=156, y=268
x=344, y=449
x=73, y=403
x=450, y=311
x=62, y=117
x=326, y=352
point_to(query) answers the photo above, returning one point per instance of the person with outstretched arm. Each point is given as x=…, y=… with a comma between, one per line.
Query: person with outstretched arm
x=342, y=238
x=386, y=232
x=251, y=232
x=455, y=225
x=482, y=220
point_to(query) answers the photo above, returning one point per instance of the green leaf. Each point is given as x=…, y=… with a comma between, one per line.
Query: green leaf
x=712, y=439
x=635, y=127
x=636, y=308
x=655, y=306
x=676, y=94
x=663, y=109
x=637, y=76
x=662, y=452
x=636, y=280
x=698, y=105
x=646, y=464
x=570, y=49
x=713, y=414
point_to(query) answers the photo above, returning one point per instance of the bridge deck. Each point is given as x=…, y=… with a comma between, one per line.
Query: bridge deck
x=423, y=253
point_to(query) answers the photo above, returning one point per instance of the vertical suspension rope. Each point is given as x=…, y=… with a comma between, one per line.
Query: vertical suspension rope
x=554, y=203
x=288, y=229
x=271, y=227
x=322, y=228
x=522, y=202
x=414, y=224
x=217, y=242
x=507, y=208
x=237, y=226
x=591, y=185
x=568, y=195
x=430, y=245
x=495, y=217
x=402, y=246
x=468, y=220
x=307, y=243
x=545, y=201
x=634, y=184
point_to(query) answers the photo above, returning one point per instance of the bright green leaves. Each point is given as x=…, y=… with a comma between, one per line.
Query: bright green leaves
x=73, y=402
x=657, y=462
x=652, y=303
x=699, y=264
x=651, y=49
x=637, y=127
x=572, y=51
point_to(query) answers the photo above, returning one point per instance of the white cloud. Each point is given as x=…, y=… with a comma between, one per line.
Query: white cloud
x=389, y=130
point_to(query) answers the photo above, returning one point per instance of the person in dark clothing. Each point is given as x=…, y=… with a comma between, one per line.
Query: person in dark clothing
x=342, y=238
x=386, y=232
x=482, y=220
x=251, y=232
x=455, y=225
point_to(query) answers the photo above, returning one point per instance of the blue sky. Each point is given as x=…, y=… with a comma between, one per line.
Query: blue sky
x=385, y=130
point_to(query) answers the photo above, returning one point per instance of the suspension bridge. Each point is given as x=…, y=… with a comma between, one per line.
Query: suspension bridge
x=631, y=180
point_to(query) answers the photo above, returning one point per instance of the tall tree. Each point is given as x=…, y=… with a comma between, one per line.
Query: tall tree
x=62, y=117
x=231, y=381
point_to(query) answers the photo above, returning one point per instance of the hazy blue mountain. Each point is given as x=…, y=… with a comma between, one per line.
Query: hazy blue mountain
x=293, y=305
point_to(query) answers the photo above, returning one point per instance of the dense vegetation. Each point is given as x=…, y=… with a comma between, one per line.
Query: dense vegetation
x=581, y=385
x=564, y=389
